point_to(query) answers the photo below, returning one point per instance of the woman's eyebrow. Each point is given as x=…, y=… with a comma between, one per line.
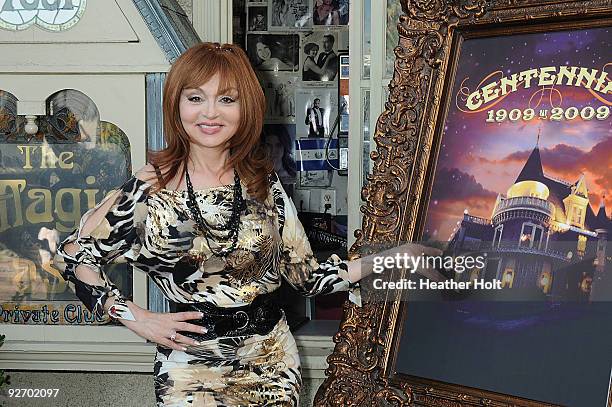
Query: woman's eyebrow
x=191, y=90
x=230, y=90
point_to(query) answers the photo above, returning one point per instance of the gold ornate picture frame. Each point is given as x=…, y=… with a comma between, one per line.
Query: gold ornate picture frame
x=408, y=138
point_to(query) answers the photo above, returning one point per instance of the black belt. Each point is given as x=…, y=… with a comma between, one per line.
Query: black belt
x=259, y=317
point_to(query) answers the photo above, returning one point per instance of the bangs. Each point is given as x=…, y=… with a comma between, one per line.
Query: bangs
x=208, y=64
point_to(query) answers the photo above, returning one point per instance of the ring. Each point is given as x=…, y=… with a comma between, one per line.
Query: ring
x=173, y=337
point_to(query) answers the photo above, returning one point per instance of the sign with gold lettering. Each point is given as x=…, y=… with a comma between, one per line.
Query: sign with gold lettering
x=45, y=187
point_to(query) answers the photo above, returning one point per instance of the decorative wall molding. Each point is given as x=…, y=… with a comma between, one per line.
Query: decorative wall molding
x=212, y=20
x=170, y=27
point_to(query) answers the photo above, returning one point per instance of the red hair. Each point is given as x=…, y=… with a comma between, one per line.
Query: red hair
x=192, y=69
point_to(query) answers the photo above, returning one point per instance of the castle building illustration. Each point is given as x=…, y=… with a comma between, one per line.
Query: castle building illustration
x=542, y=237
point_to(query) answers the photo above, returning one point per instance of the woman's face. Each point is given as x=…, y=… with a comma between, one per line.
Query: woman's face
x=313, y=52
x=276, y=151
x=263, y=51
x=209, y=117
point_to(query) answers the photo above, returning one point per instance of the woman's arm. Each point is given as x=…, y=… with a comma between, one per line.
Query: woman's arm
x=302, y=270
x=310, y=64
x=107, y=234
x=283, y=65
x=360, y=268
x=335, y=18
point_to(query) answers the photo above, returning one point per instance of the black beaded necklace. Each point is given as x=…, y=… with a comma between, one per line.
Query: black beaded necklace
x=231, y=226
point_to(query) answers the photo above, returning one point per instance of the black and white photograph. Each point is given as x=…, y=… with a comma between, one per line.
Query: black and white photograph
x=258, y=18
x=320, y=56
x=290, y=14
x=330, y=12
x=279, y=89
x=274, y=52
x=320, y=178
x=279, y=140
x=344, y=114
x=317, y=112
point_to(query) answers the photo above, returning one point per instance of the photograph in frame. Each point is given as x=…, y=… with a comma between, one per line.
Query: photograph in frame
x=523, y=174
x=319, y=56
x=344, y=67
x=274, y=52
x=344, y=114
x=316, y=112
x=330, y=12
x=279, y=140
x=289, y=14
x=257, y=17
x=316, y=179
x=279, y=89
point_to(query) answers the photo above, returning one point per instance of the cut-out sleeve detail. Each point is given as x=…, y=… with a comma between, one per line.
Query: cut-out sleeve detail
x=297, y=263
x=113, y=239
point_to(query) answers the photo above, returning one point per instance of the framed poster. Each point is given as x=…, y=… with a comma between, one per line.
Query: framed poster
x=496, y=139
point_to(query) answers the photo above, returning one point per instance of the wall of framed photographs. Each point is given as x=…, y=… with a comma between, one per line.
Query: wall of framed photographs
x=296, y=47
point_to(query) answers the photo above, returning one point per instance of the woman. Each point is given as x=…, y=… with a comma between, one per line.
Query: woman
x=280, y=146
x=326, y=13
x=263, y=60
x=282, y=15
x=210, y=223
x=310, y=70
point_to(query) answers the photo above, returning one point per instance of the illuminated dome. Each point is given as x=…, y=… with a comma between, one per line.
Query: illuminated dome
x=528, y=188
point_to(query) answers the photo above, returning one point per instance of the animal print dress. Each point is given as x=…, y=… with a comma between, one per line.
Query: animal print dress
x=154, y=232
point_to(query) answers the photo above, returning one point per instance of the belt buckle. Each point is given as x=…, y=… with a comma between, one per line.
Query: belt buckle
x=246, y=316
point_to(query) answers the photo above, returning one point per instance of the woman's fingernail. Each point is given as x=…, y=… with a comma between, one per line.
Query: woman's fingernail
x=184, y=349
x=196, y=343
x=201, y=315
x=204, y=330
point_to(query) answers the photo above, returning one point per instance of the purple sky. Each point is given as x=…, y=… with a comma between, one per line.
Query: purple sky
x=478, y=160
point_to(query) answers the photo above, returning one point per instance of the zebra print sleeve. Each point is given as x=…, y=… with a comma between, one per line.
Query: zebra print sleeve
x=297, y=264
x=113, y=240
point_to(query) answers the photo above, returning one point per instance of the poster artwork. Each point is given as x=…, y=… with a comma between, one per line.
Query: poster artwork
x=527, y=155
x=524, y=176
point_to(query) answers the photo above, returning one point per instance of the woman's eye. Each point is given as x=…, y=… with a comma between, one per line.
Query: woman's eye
x=227, y=99
x=194, y=99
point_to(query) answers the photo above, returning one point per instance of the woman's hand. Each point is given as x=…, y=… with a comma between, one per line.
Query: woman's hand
x=312, y=65
x=162, y=328
x=360, y=268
